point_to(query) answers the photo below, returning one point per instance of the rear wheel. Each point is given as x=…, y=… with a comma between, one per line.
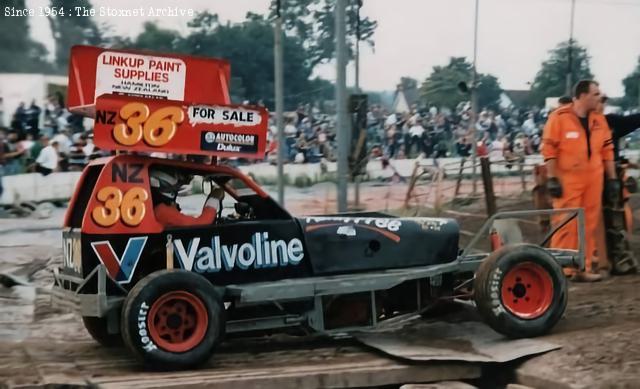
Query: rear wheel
x=98, y=329
x=173, y=319
x=520, y=291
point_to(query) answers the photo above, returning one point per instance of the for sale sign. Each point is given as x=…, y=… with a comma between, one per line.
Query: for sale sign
x=140, y=75
x=95, y=71
x=136, y=124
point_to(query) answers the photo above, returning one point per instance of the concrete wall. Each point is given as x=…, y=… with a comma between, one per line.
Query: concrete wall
x=38, y=188
x=56, y=186
x=404, y=167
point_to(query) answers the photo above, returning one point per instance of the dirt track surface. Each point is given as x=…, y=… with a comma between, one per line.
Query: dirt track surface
x=600, y=335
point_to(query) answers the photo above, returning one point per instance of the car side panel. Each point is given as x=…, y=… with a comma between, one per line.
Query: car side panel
x=346, y=244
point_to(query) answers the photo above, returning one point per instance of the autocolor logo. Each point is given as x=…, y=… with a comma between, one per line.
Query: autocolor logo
x=211, y=257
x=229, y=142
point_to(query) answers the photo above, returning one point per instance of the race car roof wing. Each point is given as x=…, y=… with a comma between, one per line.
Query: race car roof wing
x=163, y=103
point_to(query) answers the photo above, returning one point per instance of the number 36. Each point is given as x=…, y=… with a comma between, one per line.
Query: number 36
x=128, y=207
x=156, y=128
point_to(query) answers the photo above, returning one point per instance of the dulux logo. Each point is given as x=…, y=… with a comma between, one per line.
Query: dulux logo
x=259, y=253
x=120, y=269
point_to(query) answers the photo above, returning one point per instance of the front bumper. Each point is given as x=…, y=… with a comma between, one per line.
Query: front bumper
x=68, y=293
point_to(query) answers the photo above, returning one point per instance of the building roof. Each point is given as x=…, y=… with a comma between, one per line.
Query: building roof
x=518, y=97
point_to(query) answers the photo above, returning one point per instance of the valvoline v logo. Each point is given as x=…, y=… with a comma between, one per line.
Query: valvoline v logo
x=120, y=269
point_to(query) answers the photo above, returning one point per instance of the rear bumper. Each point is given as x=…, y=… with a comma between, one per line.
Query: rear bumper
x=68, y=293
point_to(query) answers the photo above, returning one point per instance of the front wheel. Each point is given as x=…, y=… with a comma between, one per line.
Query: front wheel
x=520, y=291
x=173, y=319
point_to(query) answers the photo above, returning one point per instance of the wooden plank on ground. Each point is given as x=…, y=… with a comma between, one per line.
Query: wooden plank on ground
x=334, y=365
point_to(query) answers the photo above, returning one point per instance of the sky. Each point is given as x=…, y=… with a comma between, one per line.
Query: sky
x=413, y=36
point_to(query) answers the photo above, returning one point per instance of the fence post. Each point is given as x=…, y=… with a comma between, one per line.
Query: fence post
x=521, y=162
x=459, y=181
x=487, y=182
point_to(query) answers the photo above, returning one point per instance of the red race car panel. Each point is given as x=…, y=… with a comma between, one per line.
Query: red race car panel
x=134, y=124
x=94, y=71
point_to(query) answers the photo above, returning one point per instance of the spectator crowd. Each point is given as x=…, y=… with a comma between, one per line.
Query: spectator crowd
x=507, y=134
x=51, y=138
x=45, y=140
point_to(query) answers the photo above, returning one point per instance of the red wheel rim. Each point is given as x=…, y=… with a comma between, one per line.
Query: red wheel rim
x=178, y=321
x=527, y=290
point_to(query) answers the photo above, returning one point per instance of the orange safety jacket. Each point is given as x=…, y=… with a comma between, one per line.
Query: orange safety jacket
x=577, y=150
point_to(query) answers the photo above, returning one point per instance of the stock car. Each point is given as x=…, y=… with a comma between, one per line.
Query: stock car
x=170, y=294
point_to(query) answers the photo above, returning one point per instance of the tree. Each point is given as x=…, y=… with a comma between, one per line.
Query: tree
x=632, y=88
x=154, y=38
x=551, y=79
x=313, y=22
x=408, y=83
x=248, y=46
x=18, y=52
x=71, y=29
x=441, y=87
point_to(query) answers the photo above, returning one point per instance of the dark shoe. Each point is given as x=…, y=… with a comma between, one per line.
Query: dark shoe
x=586, y=277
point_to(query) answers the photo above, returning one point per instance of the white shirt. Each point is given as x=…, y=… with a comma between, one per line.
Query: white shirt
x=48, y=158
x=416, y=130
x=497, y=150
x=88, y=149
x=64, y=143
x=391, y=120
x=529, y=126
x=290, y=130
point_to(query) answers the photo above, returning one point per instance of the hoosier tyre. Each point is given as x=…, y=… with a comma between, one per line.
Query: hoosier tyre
x=172, y=319
x=520, y=291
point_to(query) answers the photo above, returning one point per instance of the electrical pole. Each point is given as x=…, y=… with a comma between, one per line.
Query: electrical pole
x=474, y=99
x=279, y=92
x=357, y=90
x=570, y=59
x=342, y=128
x=359, y=4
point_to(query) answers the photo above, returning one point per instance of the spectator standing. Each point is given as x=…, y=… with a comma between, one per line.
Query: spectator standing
x=13, y=154
x=32, y=119
x=89, y=145
x=463, y=147
x=47, y=161
x=63, y=140
x=416, y=137
x=290, y=133
x=77, y=158
x=529, y=126
x=496, y=149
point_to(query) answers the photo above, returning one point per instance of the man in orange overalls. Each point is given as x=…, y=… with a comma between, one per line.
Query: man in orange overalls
x=578, y=151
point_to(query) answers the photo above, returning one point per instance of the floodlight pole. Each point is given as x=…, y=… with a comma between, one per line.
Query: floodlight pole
x=570, y=59
x=357, y=90
x=342, y=129
x=279, y=93
x=474, y=100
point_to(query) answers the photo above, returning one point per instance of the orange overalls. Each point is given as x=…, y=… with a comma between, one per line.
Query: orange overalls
x=580, y=168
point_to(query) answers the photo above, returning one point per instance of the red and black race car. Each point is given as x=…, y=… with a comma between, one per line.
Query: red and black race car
x=170, y=290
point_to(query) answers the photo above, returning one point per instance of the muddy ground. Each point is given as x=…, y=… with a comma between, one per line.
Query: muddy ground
x=599, y=334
